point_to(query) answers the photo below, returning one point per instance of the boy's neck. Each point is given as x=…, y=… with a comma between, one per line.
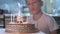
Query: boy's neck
x=37, y=16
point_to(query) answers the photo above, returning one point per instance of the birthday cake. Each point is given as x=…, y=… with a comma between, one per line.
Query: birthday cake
x=22, y=28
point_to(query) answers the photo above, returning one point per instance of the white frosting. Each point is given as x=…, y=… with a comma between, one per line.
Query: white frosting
x=25, y=23
x=20, y=18
x=11, y=22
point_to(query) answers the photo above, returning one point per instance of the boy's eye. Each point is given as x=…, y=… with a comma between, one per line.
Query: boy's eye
x=31, y=3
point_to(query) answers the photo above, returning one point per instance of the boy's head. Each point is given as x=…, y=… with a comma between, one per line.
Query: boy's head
x=34, y=5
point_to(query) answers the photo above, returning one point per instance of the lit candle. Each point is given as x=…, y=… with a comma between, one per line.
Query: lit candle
x=11, y=17
x=27, y=20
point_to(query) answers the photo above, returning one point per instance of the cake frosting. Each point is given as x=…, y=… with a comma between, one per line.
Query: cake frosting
x=23, y=28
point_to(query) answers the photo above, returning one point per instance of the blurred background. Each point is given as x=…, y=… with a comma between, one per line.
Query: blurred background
x=51, y=7
x=8, y=7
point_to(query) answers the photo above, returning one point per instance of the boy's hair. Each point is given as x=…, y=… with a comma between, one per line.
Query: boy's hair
x=40, y=4
x=37, y=0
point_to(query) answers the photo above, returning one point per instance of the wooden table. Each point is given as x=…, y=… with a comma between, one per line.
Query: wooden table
x=2, y=31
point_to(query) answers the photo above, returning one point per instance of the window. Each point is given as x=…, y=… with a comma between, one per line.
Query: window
x=52, y=7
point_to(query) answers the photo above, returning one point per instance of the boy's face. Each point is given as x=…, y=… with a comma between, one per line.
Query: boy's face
x=33, y=6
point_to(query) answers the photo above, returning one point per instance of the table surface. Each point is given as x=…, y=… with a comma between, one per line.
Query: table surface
x=2, y=31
